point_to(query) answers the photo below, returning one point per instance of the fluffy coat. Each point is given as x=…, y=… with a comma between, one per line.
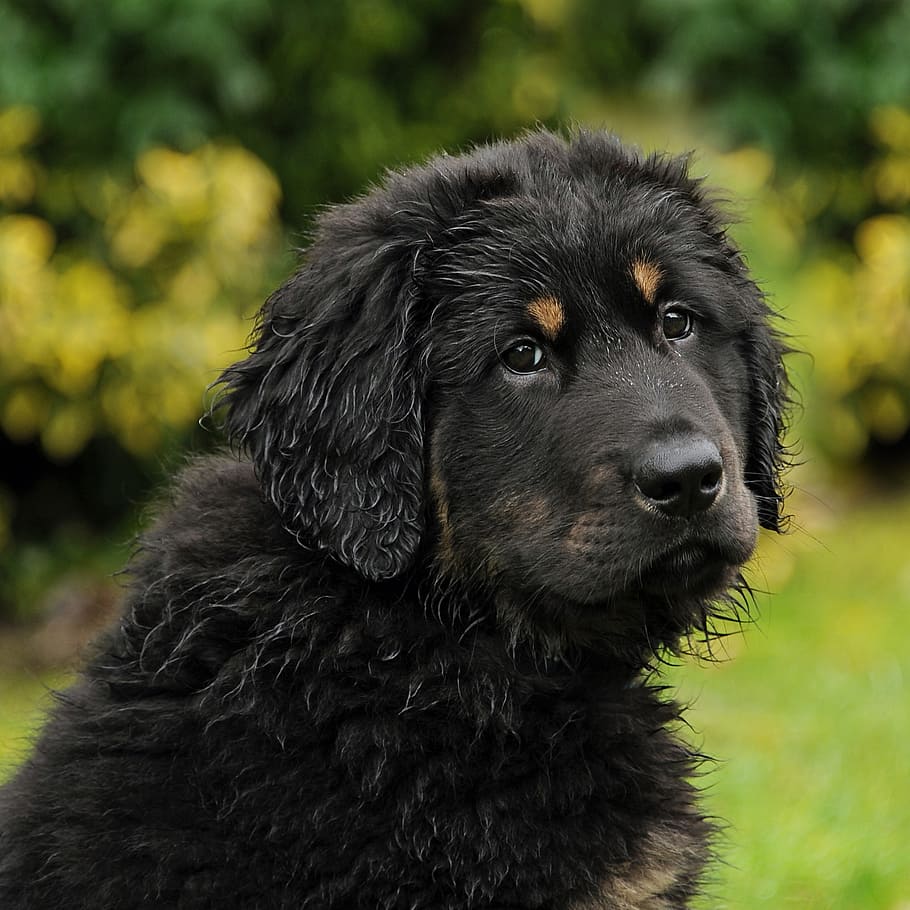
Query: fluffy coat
x=396, y=651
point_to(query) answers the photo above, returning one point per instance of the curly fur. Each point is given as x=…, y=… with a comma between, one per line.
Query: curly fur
x=396, y=652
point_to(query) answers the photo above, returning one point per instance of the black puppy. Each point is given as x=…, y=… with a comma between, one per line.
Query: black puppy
x=505, y=438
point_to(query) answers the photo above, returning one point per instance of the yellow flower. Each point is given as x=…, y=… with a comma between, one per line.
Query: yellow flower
x=126, y=339
x=19, y=127
x=891, y=126
x=25, y=412
x=68, y=430
x=93, y=326
x=179, y=181
x=139, y=234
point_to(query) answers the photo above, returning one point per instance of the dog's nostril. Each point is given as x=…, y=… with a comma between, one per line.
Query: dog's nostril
x=662, y=490
x=711, y=481
x=680, y=475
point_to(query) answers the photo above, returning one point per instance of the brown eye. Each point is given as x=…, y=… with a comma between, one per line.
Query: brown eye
x=524, y=357
x=676, y=324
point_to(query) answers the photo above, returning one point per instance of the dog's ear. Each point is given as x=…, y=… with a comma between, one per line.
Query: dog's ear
x=328, y=403
x=763, y=351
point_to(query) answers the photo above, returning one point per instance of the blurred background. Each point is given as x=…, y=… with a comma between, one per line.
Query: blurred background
x=159, y=161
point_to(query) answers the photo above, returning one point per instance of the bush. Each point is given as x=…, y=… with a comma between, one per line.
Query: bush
x=117, y=331
x=142, y=145
x=855, y=302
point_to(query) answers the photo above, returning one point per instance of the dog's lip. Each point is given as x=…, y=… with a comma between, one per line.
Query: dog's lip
x=693, y=566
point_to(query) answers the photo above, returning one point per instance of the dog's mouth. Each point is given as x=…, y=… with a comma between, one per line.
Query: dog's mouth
x=701, y=570
x=688, y=572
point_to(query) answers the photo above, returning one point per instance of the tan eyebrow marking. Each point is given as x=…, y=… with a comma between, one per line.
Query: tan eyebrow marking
x=548, y=313
x=647, y=276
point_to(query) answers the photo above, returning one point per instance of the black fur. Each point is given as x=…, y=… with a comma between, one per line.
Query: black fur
x=397, y=653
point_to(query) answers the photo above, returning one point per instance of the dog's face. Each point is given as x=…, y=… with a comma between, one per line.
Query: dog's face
x=590, y=416
x=542, y=364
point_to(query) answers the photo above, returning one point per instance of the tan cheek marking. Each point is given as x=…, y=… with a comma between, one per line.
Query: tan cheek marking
x=647, y=276
x=523, y=510
x=548, y=313
x=584, y=534
x=440, y=496
x=446, y=537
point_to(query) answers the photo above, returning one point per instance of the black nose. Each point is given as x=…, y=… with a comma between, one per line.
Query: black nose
x=680, y=475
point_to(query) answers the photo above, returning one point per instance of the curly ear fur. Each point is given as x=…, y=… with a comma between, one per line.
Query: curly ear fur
x=328, y=403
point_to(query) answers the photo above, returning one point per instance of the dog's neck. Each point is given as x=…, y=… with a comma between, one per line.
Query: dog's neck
x=531, y=631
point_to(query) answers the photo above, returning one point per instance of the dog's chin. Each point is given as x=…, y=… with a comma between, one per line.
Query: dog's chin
x=700, y=572
x=687, y=573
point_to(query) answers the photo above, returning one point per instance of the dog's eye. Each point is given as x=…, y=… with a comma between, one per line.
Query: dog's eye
x=524, y=357
x=676, y=324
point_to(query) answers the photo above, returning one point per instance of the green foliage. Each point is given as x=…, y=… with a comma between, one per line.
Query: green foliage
x=139, y=139
x=797, y=78
x=328, y=93
x=118, y=330
x=860, y=307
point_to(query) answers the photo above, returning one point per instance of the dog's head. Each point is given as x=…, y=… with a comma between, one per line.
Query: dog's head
x=543, y=363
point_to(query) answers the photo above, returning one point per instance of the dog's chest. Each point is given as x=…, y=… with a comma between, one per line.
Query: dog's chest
x=563, y=795
x=633, y=830
x=560, y=791
x=662, y=873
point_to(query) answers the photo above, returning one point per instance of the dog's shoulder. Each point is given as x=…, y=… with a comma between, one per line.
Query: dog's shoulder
x=213, y=571
x=214, y=532
x=213, y=514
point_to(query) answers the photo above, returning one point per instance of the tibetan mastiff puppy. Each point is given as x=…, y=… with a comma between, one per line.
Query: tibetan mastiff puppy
x=501, y=443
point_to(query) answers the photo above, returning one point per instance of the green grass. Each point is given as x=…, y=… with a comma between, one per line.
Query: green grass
x=24, y=699
x=810, y=723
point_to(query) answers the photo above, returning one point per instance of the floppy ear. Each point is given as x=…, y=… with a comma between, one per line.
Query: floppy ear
x=763, y=351
x=328, y=404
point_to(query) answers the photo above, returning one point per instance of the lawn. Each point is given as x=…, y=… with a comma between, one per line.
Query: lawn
x=23, y=700
x=809, y=721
